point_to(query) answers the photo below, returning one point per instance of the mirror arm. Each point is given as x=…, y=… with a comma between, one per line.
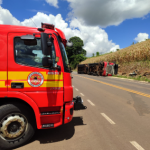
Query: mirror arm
x=58, y=68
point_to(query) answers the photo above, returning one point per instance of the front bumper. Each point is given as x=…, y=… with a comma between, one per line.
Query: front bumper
x=76, y=104
x=68, y=112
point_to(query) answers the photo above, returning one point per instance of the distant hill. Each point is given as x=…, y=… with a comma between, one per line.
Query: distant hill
x=134, y=57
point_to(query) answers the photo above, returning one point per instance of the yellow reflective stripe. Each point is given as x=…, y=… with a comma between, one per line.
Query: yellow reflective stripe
x=2, y=84
x=52, y=84
x=23, y=75
x=3, y=75
x=52, y=77
x=45, y=84
x=18, y=75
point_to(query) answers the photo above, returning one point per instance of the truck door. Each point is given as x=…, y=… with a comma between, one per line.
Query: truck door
x=3, y=64
x=27, y=75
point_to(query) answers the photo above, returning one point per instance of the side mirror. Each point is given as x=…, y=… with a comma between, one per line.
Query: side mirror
x=47, y=62
x=45, y=44
x=69, y=44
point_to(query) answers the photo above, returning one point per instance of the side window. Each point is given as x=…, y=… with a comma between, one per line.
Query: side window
x=30, y=55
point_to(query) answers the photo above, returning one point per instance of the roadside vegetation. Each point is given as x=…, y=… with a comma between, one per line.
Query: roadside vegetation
x=137, y=52
x=139, y=77
x=129, y=59
x=76, y=53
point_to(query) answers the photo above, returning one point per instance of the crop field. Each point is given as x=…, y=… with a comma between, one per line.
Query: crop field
x=134, y=53
x=134, y=57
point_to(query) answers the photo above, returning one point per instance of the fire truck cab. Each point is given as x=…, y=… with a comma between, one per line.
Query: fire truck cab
x=35, y=82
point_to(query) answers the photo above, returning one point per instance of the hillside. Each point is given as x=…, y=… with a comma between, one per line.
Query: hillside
x=134, y=57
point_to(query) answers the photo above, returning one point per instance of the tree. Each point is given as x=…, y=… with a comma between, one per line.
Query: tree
x=133, y=43
x=117, y=49
x=93, y=55
x=76, y=53
x=97, y=53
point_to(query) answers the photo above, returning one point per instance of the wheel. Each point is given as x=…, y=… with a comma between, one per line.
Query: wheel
x=98, y=73
x=17, y=126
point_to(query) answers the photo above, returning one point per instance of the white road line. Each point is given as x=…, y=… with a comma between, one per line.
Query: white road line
x=136, y=145
x=107, y=118
x=82, y=94
x=91, y=102
x=131, y=80
x=77, y=90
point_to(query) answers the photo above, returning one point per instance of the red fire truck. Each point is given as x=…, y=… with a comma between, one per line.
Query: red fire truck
x=35, y=82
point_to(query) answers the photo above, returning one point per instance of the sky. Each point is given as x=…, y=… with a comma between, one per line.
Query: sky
x=103, y=25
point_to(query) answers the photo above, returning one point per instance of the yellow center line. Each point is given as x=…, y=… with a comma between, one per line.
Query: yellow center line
x=125, y=89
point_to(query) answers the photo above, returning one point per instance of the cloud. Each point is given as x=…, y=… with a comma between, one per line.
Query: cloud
x=113, y=49
x=141, y=37
x=52, y=3
x=107, y=12
x=95, y=39
x=7, y=18
x=0, y=2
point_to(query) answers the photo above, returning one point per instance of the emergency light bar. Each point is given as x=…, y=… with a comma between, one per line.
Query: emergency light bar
x=47, y=26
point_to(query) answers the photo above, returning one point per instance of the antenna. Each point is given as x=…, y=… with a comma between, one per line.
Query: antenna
x=33, y=22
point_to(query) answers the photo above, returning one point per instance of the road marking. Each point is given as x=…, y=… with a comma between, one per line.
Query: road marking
x=91, y=102
x=82, y=94
x=136, y=81
x=107, y=118
x=136, y=145
x=77, y=89
x=125, y=89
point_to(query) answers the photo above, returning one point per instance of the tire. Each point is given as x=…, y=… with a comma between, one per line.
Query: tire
x=8, y=114
x=98, y=74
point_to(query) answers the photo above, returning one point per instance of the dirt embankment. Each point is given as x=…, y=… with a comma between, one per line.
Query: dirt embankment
x=134, y=57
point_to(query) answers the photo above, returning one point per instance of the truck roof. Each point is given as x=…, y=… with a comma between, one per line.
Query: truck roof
x=14, y=28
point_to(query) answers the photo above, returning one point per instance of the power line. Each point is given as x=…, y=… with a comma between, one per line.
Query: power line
x=33, y=22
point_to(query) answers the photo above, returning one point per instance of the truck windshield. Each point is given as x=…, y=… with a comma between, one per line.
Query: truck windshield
x=30, y=54
x=65, y=56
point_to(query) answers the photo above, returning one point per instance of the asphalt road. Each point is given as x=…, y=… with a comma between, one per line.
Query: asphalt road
x=117, y=118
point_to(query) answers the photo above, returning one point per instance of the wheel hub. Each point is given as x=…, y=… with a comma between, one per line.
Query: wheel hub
x=13, y=127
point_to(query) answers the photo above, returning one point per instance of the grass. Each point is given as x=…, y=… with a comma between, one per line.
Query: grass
x=139, y=77
x=99, y=55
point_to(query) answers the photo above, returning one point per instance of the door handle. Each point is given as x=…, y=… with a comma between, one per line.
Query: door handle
x=17, y=85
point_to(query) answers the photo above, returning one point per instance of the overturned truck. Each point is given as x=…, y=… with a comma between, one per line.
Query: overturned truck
x=99, y=69
x=82, y=68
